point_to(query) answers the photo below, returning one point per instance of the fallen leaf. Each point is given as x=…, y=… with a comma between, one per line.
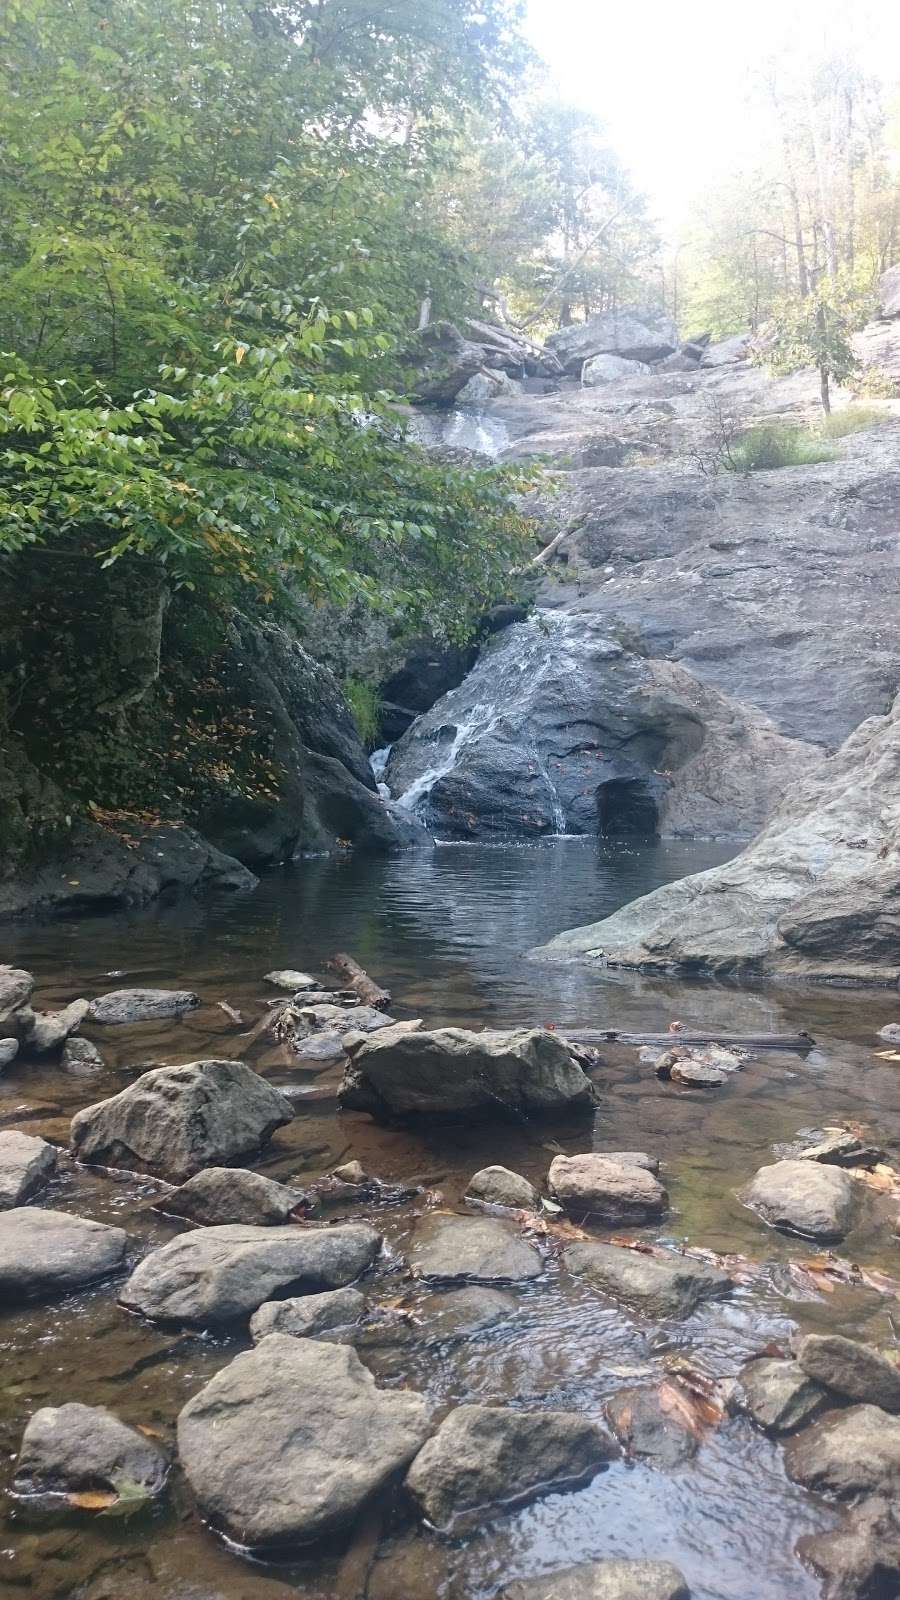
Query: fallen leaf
x=92, y=1499
x=694, y=1411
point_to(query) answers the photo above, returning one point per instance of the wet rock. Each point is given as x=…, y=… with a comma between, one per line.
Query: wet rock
x=615, y=1191
x=498, y=1186
x=304, y=1416
x=9, y=1049
x=220, y=1275
x=410, y=1568
x=26, y=1165
x=842, y=1149
x=16, y=989
x=80, y=1056
x=287, y=978
x=644, y=1428
x=464, y=1313
x=861, y=1559
x=231, y=1194
x=50, y=1029
x=663, y=1284
x=603, y=1580
x=451, y=1069
x=45, y=1254
x=853, y=1370
x=778, y=1395
x=472, y=1249
x=484, y=1458
x=803, y=1197
x=73, y=1447
x=848, y=1453
x=696, y=1074
x=142, y=1005
x=310, y=1316
x=173, y=1121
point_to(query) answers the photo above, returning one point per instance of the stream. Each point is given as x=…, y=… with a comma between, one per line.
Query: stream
x=447, y=932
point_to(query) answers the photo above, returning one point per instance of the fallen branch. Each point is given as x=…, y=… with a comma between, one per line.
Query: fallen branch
x=229, y=1011
x=368, y=991
x=742, y=1041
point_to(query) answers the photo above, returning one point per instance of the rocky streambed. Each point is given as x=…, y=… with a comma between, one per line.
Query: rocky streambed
x=301, y=1299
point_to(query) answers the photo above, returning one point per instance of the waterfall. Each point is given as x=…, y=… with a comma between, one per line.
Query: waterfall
x=463, y=428
x=480, y=720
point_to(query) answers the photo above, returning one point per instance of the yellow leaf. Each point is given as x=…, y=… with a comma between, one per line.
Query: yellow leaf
x=271, y=201
x=92, y=1499
x=240, y=353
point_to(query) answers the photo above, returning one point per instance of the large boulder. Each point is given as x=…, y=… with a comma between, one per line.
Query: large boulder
x=74, y=1447
x=26, y=1165
x=614, y=1191
x=215, y=1276
x=613, y=1579
x=610, y=369
x=483, y=1458
x=778, y=1395
x=472, y=1250
x=287, y=1444
x=848, y=1453
x=661, y=1284
x=889, y=292
x=852, y=1370
x=173, y=1121
x=804, y=1197
x=451, y=1069
x=142, y=1005
x=444, y=361
x=642, y=335
x=45, y=1254
x=231, y=1194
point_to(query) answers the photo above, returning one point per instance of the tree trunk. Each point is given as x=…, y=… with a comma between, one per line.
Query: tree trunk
x=825, y=391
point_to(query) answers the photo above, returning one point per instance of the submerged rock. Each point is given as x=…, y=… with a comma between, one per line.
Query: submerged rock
x=231, y=1194
x=142, y=1005
x=663, y=1284
x=645, y=1429
x=45, y=1254
x=27, y=1164
x=615, y=1191
x=81, y=1056
x=498, y=1186
x=472, y=1249
x=451, y=1069
x=173, y=1121
x=853, y=1370
x=75, y=1447
x=861, y=1559
x=483, y=1458
x=303, y=1417
x=804, y=1197
x=310, y=1316
x=778, y=1395
x=848, y=1453
x=219, y=1275
x=603, y=1580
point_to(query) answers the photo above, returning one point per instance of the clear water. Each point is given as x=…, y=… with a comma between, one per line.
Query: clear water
x=448, y=931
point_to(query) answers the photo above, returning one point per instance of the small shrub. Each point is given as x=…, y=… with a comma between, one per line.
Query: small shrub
x=771, y=444
x=364, y=703
x=875, y=384
x=853, y=419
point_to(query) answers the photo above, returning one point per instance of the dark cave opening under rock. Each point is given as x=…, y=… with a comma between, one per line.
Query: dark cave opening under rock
x=626, y=806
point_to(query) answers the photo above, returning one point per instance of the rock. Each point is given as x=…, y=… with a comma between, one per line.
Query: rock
x=9, y=1049
x=80, y=1056
x=726, y=351
x=309, y=1316
x=613, y=1579
x=451, y=1069
x=609, y=368
x=321, y=1050
x=305, y=1416
x=443, y=1319
x=889, y=293
x=696, y=1074
x=173, y=1121
x=472, y=1249
x=890, y=1033
x=646, y=335
x=410, y=1568
x=861, y=1559
x=803, y=1197
x=231, y=1194
x=351, y=1172
x=612, y=1190
x=339, y=1019
x=50, y=1029
x=219, y=1275
x=444, y=362
x=45, y=1254
x=26, y=1165
x=632, y=1158
x=663, y=1284
x=485, y=386
x=142, y=1005
x=16, y=989
x=497, y=1186
x=778, y=1395
x=74, y=1447
x=485, y=1458
x=853, y=1370
x=848, y=1453
x=842, y=1149
x=287, y=978
x=644, y=1429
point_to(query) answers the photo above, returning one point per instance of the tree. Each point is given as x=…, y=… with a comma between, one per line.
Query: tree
x=815, y=331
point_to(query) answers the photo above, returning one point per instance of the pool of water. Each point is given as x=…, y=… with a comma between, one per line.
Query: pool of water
x=448, y=932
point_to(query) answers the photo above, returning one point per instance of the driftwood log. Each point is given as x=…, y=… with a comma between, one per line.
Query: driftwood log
x=368, y=991
x=741, y=1041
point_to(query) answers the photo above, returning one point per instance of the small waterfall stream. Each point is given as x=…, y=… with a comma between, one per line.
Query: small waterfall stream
x=463, y=428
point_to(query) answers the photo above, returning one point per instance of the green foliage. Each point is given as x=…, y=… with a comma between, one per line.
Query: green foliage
x=875, y=384
x=853, y=419
x=365, y=708
x=772, y=444
x=815, y=332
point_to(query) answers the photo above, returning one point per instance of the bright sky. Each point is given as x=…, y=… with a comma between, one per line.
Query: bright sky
x=670, y=77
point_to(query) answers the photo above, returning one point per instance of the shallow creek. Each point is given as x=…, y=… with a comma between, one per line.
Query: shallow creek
x=446, y=931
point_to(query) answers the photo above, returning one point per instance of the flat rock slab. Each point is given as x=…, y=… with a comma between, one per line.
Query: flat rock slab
x=663, y=1284
x=474, y=1250
x=288, y=1442
x=73, y=1447
x=142, y=1005
x=603, y=1580
x=848, y=1453
x=615, y=1191
x=779, y=1396
x=451, y=1069
x=852, y=1370
x=173, y=1121
x=498, y=1186
x=310, y=1316
x=646, y=1430
x=45, y=1254
x=215, y=1276
x=231, y=1194
x=26, y=1165
x=804, y=1197
x=484, y=1458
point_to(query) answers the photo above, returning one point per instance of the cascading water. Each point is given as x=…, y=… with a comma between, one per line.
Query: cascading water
x=463, y=428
